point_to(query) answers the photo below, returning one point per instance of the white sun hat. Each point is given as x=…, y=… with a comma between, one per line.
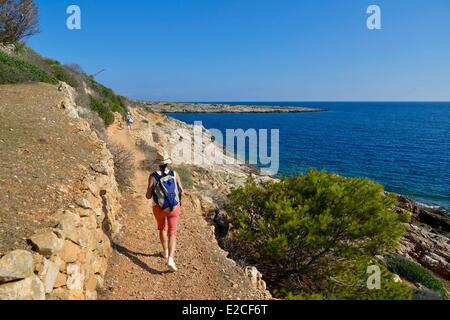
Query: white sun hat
x=163, y=158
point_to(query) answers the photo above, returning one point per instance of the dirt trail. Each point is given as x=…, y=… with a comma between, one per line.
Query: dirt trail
x=137, y=270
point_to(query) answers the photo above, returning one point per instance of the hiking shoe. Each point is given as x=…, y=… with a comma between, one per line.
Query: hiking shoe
x=172, y=265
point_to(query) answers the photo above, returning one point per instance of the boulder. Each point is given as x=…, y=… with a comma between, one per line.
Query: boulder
x=100, y=281
x=84, y=201
x=91, y=283
x=101, y=167
x=28, y=289
x=87, y=238
x=59, y=294
x=16, y=265
x=61, y=280
x=90, y=185
x=50, y=274
x=69, y=222
x=64, y=294
x=75, y=278
x=70, y=252
x=47, y=243
x=91, y=295
x=100, y=265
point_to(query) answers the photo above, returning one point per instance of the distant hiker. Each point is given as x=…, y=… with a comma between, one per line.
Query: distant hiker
x=166, y=190
x=129, y=120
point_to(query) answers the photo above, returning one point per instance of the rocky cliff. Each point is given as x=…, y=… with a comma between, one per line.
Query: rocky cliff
x=427, y=240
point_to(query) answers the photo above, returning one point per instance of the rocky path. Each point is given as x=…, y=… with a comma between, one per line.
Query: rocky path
x=137, y=270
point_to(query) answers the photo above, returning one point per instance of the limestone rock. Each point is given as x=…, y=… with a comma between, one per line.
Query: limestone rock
x=101, y=167
x=69, y=222
x=70, y=252
x=16, y=265
x=64, y=294
x=47, y=243
x=89, y=184
x=75, y=278
x=100, y=281
x=91, y=295
x=50, y=274
x=84, y=201
x=59, y=294
x=61, y=280
x=91, y=283
x=28, y=289
x=427, y=248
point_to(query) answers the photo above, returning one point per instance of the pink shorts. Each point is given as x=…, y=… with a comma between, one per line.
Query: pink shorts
x=164, y=218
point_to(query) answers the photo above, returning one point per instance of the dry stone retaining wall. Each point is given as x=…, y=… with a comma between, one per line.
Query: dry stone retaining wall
x=69, y=261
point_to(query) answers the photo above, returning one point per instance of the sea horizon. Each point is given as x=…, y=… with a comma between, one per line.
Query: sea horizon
x=410, y=161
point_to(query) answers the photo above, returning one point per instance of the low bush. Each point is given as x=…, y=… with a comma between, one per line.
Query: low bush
x=318, y=233
x=415, y=273
x=103, y=111
x=185, y=174
x=124, y=167
x=63, y=75
x=114, y=102
x=16, y=70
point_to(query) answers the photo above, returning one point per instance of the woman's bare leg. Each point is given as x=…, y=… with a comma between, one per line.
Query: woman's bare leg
x=165, y=242
x=172, y=245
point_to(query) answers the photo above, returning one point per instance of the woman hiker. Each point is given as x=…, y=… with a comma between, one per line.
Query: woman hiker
x=165, y=188
x=129, y=120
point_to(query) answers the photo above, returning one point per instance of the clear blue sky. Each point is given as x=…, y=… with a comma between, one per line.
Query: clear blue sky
x=256, y=50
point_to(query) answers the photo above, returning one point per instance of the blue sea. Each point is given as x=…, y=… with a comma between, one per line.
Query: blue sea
x=403, y=145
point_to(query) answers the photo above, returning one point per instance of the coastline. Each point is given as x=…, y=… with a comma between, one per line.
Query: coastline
x=427, y=238
x=176, y=107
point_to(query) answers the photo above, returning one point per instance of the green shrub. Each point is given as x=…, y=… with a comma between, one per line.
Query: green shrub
x=15, y=70
x=185, y=174
x=63, y=75
x=102, y=110
x=415, y=273
x=20, y=47
x=313, y=230
x=114, y=102
x=51, y=62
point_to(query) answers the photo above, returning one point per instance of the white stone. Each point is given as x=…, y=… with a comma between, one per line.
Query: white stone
x=28, y=289
x=75, y=280
x=16, y=265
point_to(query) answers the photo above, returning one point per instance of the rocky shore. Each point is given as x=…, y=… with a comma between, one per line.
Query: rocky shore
x=427, y=241
x=172, y=107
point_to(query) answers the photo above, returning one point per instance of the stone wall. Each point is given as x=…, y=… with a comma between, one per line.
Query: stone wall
x=69, y=260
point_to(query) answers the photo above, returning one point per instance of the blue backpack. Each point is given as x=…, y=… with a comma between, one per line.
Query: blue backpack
x=166, y=193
